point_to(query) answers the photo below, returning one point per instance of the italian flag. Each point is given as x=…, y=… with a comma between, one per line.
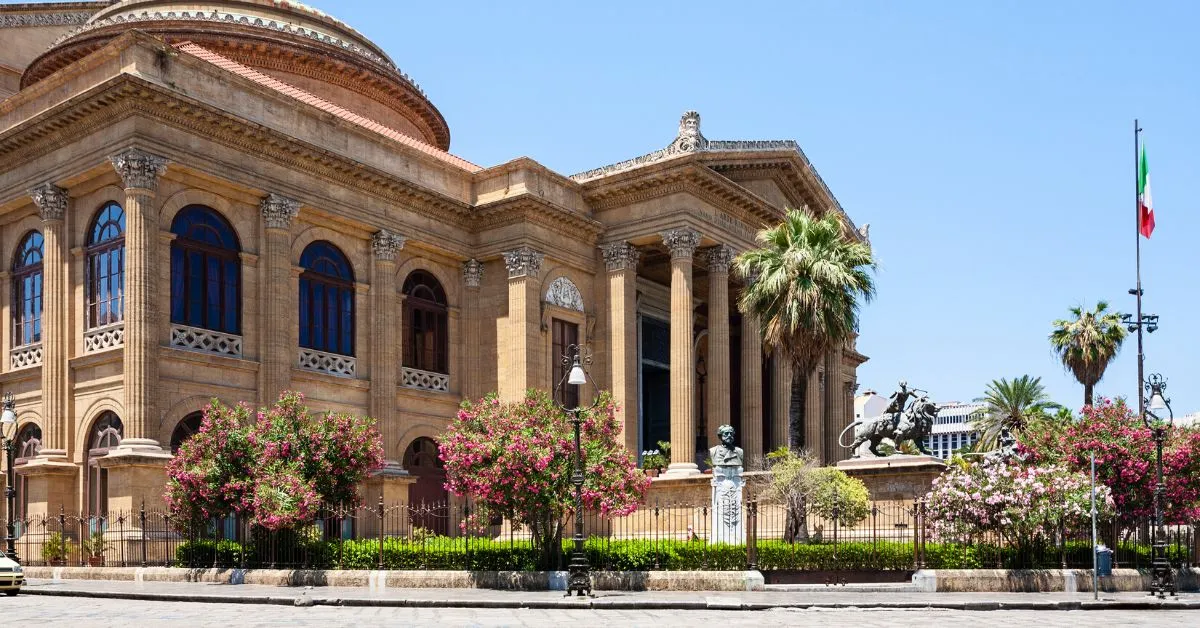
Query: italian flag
x=1145, y=202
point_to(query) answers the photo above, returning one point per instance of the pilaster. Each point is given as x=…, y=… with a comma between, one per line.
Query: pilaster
x=518, y=368
x=278, y=314
x=52, y=202
x=719, y=394
x=384, y=350
x=682, y=243
x=621, y=260
x=472, y=379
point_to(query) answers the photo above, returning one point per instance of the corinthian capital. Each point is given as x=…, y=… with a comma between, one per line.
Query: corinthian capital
x=682, y=242
x=139, y=169
x=620, y=256
x=523, y=262
x=472, y=273
x=278, y=211
x=719, y=257
x=386, y=244
x=51, y=201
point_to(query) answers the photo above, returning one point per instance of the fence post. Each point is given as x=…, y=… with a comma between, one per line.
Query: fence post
x=466, y=530
x=379, y=532
x=341, y=520
x=656, y=565
x=752, y=536
x=142, y=524
x=1062, y=543
x=916, y=517
x=874, y=533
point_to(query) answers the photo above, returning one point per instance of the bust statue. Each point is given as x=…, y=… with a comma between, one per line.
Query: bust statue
x=725, y=454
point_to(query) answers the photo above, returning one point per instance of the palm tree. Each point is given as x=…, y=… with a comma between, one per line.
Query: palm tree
x=1087, y=343
x=804, y=283
x=1010, y=405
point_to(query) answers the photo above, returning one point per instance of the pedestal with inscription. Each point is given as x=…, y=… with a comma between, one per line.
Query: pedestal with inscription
x=899, y=478
x=728, y=524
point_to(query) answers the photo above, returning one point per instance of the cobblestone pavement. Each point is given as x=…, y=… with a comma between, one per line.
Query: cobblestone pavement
x=85, y=612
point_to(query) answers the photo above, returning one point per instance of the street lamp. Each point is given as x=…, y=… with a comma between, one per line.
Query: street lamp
x=1162, y=579
x=8, y=425
x=580, y=578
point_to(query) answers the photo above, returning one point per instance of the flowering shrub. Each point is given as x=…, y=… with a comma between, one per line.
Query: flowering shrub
x=1021, y=502
x=278, y=470
x=516, y=460
x=1125, y=460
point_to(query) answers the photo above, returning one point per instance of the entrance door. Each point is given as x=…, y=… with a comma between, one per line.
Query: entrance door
x=427, y=496
x=655, y=382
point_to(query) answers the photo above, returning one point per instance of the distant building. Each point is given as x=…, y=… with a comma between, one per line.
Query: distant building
x=869, y=404
x=953, y=430
x=1187, y=420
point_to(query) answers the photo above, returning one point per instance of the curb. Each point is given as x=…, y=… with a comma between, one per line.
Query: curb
x=625, y=603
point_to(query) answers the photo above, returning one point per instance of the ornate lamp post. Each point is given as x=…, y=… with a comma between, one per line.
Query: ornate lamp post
x=1162, y=578
x=580, y=578
x=8, y=425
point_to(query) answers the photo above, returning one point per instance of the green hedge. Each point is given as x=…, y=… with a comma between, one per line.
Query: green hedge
x=635, y=555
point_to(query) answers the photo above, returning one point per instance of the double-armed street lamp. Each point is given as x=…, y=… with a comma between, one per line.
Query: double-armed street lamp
x=1162, y=578
x=580, y=577
x=8, y=425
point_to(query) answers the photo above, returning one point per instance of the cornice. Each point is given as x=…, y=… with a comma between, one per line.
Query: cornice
x=682, y=176
x=527, y=208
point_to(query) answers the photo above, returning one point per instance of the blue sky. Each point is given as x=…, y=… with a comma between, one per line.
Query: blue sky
x=988, y=144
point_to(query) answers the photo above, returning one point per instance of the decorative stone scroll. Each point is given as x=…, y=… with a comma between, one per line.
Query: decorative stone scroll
x=424, y=380
x=51, y=201
x=331, y=363
x=386, y=244
x=472, y=273
x=205, y=340
x=620, y=256
x=26, y=356
x=563, y=293
x=719, y=258
x=20, y=20
x=523, y=262
x=682, y=242
x=139, y=169
x=278, y=211
x=104, y=338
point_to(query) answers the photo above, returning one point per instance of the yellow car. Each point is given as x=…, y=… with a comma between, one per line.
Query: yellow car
x=12, y=577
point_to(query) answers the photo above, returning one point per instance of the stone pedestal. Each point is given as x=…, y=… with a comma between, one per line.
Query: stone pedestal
x=900, y=478
x=728, y=525
x=50, y=483
x=391, y=486
x=136, y=474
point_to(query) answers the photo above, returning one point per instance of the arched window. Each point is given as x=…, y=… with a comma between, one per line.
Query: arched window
x=27, y=290
x=326, y=300
x=105, y=435
x=184, y=430
x=422, y=460
x=426, y=324
x=29, y=441
x=206, y=271
x=106, y=267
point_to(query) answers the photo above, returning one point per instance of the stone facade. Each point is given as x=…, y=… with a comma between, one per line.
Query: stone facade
x=245, y=170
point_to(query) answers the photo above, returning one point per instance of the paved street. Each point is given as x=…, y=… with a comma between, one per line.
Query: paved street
x=78, y=612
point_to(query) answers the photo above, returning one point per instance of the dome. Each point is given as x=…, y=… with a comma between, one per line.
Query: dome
x=288, y=40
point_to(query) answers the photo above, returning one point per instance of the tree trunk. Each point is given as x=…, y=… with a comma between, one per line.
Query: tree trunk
x=1087, y=394
x=796, y=524
x=546, y=535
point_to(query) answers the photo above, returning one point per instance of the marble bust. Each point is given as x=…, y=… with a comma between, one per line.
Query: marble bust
x=725, y=454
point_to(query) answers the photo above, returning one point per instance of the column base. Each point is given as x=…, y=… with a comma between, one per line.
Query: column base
x=50, y=482
x=681, y=469
x=136, y=475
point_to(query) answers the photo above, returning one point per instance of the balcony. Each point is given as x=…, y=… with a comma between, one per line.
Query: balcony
x=330, y=363
x=424, y=380
x=104, y=338
x=25, y=356
x=205, y=341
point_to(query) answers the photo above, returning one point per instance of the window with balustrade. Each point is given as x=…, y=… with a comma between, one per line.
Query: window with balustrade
x=326, y=300
x=426, y=324
x=105, y=279
x=206, y=281
x=27, y=284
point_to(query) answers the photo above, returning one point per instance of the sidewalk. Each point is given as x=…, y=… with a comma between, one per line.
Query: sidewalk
x=867, y=596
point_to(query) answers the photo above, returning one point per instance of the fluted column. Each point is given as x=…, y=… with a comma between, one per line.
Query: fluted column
x=140, y=171
x=52, y=202
x=719, y=393
x=835, y=404
x=278, y=315
x=621, y=260
x=519, y=365
x=752, y=435
x=682, y=243
x=383, y=351
x=814, y=412
x=473, y=372
x=781, y=400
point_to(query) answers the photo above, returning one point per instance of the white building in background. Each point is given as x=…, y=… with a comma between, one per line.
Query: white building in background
x=953, y=430
x=1187, y=420
x=869, y=404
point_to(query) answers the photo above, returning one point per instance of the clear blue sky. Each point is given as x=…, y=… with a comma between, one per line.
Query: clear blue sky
x=989, y=144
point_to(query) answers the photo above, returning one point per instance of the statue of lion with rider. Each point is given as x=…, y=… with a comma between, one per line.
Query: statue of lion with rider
x=901, y=421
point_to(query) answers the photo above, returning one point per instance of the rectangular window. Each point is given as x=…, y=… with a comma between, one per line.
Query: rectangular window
x=565, y=335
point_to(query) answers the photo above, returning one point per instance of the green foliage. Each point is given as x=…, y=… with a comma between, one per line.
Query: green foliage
x=803, y=487
x=1087, y=343
x=657, y=458
x=1010, y=405
x=835, y=495
x=95, y=545
x=56, y=547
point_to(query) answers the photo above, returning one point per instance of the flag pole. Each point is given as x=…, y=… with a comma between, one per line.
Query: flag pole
x=1137, y=236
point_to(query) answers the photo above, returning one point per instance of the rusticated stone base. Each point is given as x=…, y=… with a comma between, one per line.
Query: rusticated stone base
x=895, y=478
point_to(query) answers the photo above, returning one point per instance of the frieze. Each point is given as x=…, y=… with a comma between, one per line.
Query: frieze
x=51, y=201
x=20, y=20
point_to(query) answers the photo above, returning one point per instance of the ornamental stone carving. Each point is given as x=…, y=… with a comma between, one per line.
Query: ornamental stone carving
x=472, y=273
x=563, y=293
x=682, y=242
x=689, y=139
x=51, y=201
x=43, y=19
x=620, y=256
x=386, y=244
x=718, y=258
x=278, y=211
x=139, y=169
x=523, y=262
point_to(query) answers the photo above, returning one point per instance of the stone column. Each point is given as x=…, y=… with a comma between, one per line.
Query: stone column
x=814, y=413
x=383, y=350
x=682, y=243
x=472, y=271
x=519, y=360
x=621, y=260
x=718, y=336
x=835, y=404
x=752, y=436
x=140, y=171
x=278, y=313
x=781, y=400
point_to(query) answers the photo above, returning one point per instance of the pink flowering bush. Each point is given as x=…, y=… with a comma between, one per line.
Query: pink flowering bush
x=1015, y=501
x=276, y=466
x=1125, y=460
x=516, y=459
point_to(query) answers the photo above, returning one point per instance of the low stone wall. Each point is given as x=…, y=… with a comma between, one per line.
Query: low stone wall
x=1042, y=580
x=416, y=579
